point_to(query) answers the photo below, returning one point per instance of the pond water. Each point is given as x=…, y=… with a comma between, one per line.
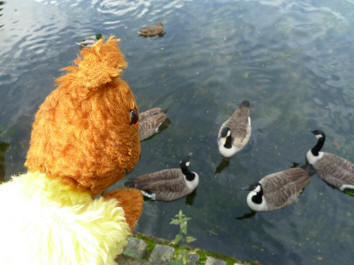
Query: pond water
x=293, y=60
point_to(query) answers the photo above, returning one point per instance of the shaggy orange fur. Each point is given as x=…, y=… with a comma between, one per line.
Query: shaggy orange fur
x=82, y=132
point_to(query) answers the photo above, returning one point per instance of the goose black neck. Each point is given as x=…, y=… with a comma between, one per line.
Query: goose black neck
x=258, y=197
x=318, y=146
x=189, y=174
x=228, y=142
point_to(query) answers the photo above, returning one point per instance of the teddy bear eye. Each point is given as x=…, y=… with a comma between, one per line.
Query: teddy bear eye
x=134, y=117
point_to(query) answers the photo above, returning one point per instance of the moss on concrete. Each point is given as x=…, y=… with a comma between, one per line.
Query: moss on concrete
x=152, y=241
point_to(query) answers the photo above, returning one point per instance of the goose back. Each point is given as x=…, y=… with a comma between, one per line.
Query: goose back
x=167, y=184
x=282, y=188
x=335, y=170
x=150, y=122
x=239, y=124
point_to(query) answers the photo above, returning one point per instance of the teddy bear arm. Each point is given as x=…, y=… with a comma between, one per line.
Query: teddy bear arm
x=131, y=200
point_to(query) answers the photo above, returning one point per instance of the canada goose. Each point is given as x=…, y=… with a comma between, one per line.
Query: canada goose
x=89, y=41
x=235, y=132
x=333, y=169
x=277, y=190
x=168, y=184
x=150, y=122
x=151, y=31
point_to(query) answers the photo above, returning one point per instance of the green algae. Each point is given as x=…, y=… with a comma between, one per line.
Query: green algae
x=150, y=244
x=179, y=248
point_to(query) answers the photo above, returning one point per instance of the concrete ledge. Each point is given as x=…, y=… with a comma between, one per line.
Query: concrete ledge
x=135, y=248
x=213, y=261
x=194, y=258
x=148, y=250
x=162, y=255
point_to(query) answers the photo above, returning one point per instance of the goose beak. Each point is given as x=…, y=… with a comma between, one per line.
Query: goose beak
x=317, y=132
x=186, y=161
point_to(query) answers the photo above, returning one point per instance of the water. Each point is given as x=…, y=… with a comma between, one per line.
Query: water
x=293, y=60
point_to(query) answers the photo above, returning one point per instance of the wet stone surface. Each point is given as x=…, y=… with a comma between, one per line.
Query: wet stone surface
x=193, y=259
x=161, y=255
x=135, y=248
x=214, y=261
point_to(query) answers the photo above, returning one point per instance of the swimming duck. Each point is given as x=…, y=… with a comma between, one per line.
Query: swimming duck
x=333, y=169
x=89, y=41
x=151, y=121
x=277, y=190
x=151, y=31
x=168, y=184
x=235, y=132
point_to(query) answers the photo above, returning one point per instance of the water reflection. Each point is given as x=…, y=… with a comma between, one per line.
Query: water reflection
x=222, y=165
x=190, y=197
x=3, y=148
x=247, y=215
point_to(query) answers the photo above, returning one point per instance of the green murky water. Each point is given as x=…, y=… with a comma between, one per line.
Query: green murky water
x=293, y=60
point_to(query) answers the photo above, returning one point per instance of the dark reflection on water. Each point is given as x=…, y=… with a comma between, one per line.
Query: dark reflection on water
x=190, y=197
x=3, y=148
x=222, y=165
x=293, y=60
x=250, y=214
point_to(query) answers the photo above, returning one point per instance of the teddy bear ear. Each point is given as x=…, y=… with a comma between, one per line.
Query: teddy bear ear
x=94, y=68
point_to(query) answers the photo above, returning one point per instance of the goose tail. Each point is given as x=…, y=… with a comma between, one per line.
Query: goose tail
x=164, y=109
x=129, y=184
x=307, y=167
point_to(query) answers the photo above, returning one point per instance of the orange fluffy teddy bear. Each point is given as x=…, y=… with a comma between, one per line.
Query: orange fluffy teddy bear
x=84, y=139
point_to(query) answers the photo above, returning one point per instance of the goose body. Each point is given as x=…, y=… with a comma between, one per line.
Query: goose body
x=151, y=31
x=168, y=184
x=235, y=132
x=277, y=190
x=150, y=122
x=333, y=169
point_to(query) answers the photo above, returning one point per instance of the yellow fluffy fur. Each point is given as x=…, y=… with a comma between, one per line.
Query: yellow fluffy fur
x=57, y=224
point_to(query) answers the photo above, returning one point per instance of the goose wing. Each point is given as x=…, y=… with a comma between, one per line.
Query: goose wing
x=239, y=126
x=163, y=180
x=150, y=121
x=335, y=170
x=281, y=188
x=150, y=112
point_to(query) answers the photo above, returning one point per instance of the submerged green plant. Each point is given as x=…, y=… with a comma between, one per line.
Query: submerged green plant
x=182, y=257
x=349, y=192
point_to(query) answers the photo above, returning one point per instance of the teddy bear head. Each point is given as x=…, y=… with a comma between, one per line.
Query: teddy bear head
x=86, y=132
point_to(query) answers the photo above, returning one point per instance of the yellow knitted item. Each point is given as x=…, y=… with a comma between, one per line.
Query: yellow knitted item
x=46, y=222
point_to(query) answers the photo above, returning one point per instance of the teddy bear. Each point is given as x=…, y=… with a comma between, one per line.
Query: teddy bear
x=84, y=139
